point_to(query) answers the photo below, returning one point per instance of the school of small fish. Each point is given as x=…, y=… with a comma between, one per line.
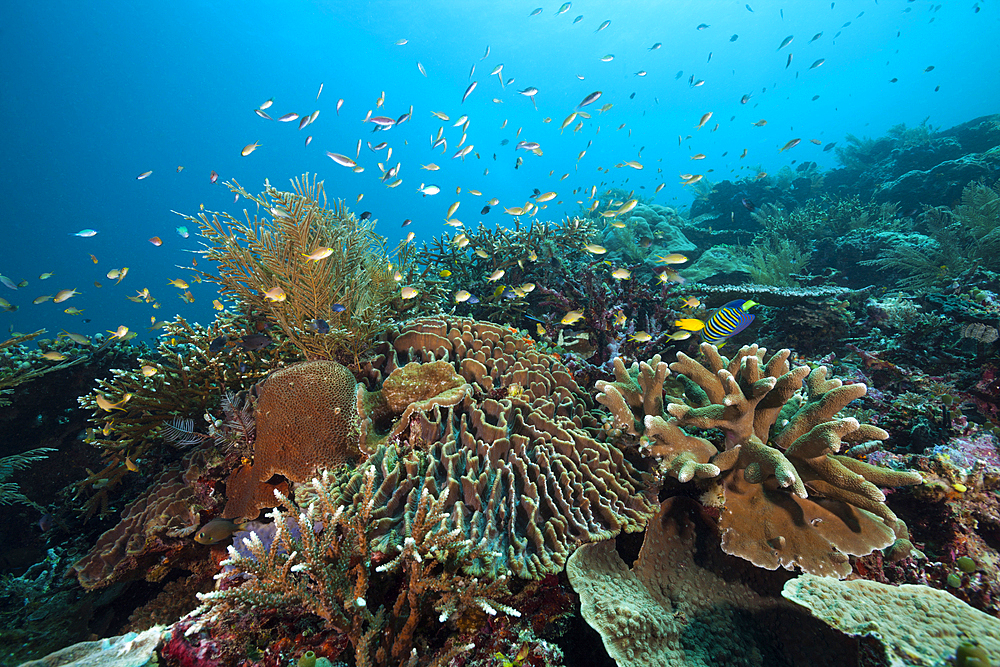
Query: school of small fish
x=461, y=132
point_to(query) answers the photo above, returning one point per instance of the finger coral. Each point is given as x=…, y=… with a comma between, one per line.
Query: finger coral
x=788, y=499
x=305, y=420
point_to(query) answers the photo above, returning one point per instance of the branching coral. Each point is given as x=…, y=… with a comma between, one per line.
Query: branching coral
x=323, y=559
x=10, y=493
x=188, y=378
x=352, y=288
x=788, y=498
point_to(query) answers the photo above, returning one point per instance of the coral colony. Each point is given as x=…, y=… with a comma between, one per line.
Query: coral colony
x=473, y=451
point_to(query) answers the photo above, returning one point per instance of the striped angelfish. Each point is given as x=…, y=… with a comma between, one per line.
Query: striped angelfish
x=727, y=321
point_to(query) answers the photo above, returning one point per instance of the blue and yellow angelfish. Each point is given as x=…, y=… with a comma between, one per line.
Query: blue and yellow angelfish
x=727, y=321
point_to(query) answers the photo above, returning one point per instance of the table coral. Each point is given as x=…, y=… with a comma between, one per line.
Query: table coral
x=305, y=420
x=787, y=498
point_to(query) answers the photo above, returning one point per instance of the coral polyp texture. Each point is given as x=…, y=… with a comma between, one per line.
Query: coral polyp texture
x=305, y=420
x=506, y=438
x=771, y=447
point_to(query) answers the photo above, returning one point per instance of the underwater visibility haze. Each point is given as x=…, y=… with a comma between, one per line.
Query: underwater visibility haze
x=497, y=333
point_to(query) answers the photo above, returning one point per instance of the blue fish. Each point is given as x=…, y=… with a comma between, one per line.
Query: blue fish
x=727, y=321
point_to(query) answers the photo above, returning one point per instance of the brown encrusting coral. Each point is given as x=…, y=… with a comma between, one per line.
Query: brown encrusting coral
x=154, y=534
x=788, y=498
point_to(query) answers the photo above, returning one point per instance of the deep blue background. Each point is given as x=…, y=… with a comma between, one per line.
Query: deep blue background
x=92, y=94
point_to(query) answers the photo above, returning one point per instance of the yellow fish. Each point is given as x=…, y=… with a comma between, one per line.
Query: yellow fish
x=54, y=356
x=672, y=258
x=691, y=302
x=217, y=304
x=149, y=371
x=319, y=253
x=409, y=292
x=179, y=284
x=249, y=148
x=621, y=274
x=496, y=275
x=104, y=404
x=595, y=249
x=275, y=294
x=640, y=337
x=572, y=316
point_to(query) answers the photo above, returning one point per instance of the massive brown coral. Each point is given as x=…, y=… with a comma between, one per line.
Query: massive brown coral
x=305, y=420
x=788, y=498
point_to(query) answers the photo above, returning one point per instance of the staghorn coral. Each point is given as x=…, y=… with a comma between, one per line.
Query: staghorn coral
x=153, y=535
x=322, y=559
x=305, y=419
x=263, y=253
x=788, y=499
x=528, y=479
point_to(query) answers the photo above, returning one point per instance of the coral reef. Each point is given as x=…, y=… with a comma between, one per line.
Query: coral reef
x=527, y=478
x=322, y=559
x=684, y=603
x=154, y=534
x=187, y=380
x=788, y=499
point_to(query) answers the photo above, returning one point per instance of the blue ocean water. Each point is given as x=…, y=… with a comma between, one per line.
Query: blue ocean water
x=94, y=94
